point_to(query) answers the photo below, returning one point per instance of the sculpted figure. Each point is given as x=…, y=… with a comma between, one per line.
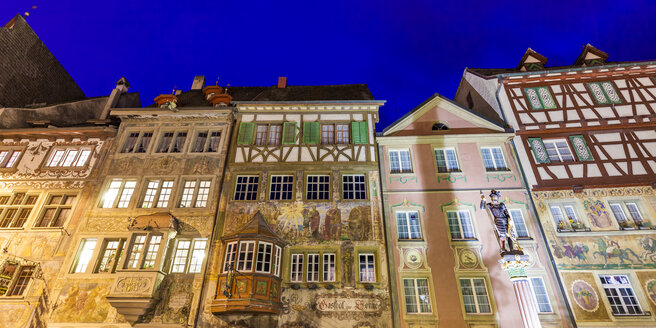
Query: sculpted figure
x=502, y=223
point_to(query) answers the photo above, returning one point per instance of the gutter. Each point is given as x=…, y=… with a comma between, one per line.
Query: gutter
x=564, y=70
x=535, y=212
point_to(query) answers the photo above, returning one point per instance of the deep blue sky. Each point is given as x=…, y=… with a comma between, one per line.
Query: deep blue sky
x=404, y=50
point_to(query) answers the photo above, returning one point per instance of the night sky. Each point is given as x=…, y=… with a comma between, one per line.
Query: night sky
x=404, y=50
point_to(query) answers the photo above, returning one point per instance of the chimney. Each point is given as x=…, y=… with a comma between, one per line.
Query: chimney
x=282, y=82
x=199, y=82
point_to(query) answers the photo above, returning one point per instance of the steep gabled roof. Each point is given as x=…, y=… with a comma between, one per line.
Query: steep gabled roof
x=437, y=100
x=257, y=225
x=29, y=73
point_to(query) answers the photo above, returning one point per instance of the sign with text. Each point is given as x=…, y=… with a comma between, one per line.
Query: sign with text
x=330, y=303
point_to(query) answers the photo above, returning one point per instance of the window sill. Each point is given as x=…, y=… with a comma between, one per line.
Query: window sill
x=12, y=298
x=628, y=316
x=402, y=173
x=48, y=228
x=13, y=228
x=410, y=240
x=464, y=240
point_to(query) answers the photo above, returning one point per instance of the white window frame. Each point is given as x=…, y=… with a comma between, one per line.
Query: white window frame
x=230, y=256
x=296, y=270
x=242, y=191
x=447, y=163
x=121, y=198
x=276, y=261
x=195, y=193
x=475, y=295
x=109, y=260
x=273, y=194
x=329, y=267
x=9, y=158
x=136, y=254
x=520, y=222
x=352, y=186
x=623, y=206
x=313, y=267
x=152, y=249
x=609, y=287
x=317, y=190
x=417, y=296
x=366, y=276
x=138, y=146
x=560, y=156
x=84, y=255
x=460, y=219
x=262, y=261
x=158, y=195
x=249, y=256
x=74, y=157
x=401, y=169
x=535, y=294
x=407, y=223
x=497, y=166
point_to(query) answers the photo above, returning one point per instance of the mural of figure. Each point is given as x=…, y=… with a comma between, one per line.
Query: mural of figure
x=347, y=260
x=611, y=249
x=332, y=223
x=315, y=221
x=648, y=245
x=360, y=223
x=597, y=214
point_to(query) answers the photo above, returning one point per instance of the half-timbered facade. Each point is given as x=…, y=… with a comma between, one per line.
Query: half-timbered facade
x=139, y=254
x=301, y=241
x=585, y=136
x=435, y=163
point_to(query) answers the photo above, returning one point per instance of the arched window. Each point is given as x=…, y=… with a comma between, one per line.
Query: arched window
x=438, y=126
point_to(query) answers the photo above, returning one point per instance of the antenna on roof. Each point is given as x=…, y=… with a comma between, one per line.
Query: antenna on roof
x=217, y=80
x=27, y=13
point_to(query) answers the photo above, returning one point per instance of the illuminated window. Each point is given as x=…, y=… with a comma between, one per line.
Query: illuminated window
x=400, y=161
x=84, y=254
x=110, y=255
x=118, y=194
x=15, y=209
x=417, y=295
x=475, y=296
x=367, y=268
x=157, y=194
x=195, y=193
x=151, y=252
x=68, y=157
x=56, y=210
x=136, y=252
x=621, y=297
x=9, y=157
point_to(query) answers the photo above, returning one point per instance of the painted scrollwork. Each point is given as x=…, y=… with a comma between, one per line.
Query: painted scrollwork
x=133, y=285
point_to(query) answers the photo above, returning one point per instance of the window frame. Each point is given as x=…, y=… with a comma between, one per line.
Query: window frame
x=622, y=298
x=475, y=296
x=138, y=141
x=14, y=283
x=246, y=260
x=497, y=168
x=121, y=190
x=112, y=263
x=45, y=164
x=373, y=254
x=567, y=226
x=174, y=138
x=247, y=183
x=83, y=251
x=156, y=200
x=264, y=253
x=559, y=158
x=320, y=264
x=335, y=133
x=417, y=296
x=330, y=189
x=354, y=183
x=10, y=153
x=628, y=215
x=208, y=141
x=401, y=170
x=535, y=296
x=407, y=213
x=58, y=209
x=461, y=231
x=444, y=150
x=521, y=213
x=267, y=134
x=19, y=208
x=195, y=192
x=293, y=187
x=186, y=265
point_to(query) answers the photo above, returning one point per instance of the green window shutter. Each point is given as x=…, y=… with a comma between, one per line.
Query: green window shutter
x=539, y=150
x=533, y=98
x=311, y=133
x=598, y=93
x=289, y=133
x=359, y=133
x=581, y=148
x=540, y=98
x=245, y=136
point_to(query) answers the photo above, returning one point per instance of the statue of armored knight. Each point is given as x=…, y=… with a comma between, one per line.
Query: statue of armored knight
x=502, y=223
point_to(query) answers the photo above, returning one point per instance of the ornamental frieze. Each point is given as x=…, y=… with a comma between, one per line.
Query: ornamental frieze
x=133, y=285
x=57, y=184
x=107, y=224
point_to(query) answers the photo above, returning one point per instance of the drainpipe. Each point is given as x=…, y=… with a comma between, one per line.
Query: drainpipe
x=391, y=272
x=535, y=212
x=213, y=237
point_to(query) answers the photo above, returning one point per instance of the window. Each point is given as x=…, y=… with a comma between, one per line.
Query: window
x=520, y=224
x=268, y=134
x=564, y=215
x=297, y=268
x=460, y=225
x=620, y=295
x=15, y=209
x=408, y=225
x=190, y=253
x=334, y=134
x=417, y=295
x=151, y=252
x=172, y=142
x=276, y=261
x=22, y=280
x=195, y=193
x=558, y=150
x=263, y=261
x=207, y=142
x=9, y=157
x=446, y=160
x=318, y=187
x=157, y=194
x=474, y=296
x=56, y=210
x=110, y=255
x=245, y=258
x=118, y=193
x=540, y=98
x=367, y=268
x=439, y=126
x=541, y=295
x=231, y=254
x=313, y=267
x=328, y=267
x=353, y=186
x=84, y=254
x=620, y=210
x=400, y=161
x=68, y=157
x=137, y=142
x=138, y=244
x=282, y=187
x=604, y=93
x=246, y=187
x=493, y=159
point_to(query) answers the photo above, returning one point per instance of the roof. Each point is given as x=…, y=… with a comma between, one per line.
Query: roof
x=29, y=73
x=257, y=225
x=196, y=98
x=400, y=120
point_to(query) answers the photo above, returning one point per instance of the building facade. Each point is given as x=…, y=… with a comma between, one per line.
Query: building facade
x=436, y=162
x=300, y=220
x=585, y=138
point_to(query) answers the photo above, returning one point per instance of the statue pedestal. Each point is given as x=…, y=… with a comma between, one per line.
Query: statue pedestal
x=515, y=265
